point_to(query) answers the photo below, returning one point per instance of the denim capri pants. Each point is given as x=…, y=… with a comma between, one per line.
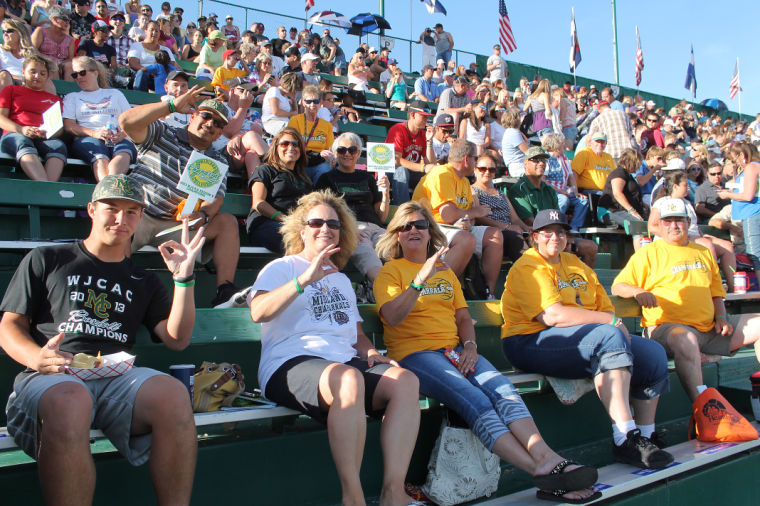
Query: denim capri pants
x=485, y=399
x=583, y=351
x=90, y=149
x=18, y=145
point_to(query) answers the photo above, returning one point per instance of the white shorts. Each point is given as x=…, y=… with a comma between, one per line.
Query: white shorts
x=479, y=231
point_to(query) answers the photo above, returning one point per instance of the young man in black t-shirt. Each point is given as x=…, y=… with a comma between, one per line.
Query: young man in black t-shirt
x=89, y=297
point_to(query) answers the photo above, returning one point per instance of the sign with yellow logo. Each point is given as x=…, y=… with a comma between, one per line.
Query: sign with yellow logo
x=381, y=157
x=201, y=179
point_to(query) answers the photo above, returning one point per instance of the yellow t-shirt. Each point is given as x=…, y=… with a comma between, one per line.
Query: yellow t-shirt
x=431, y=324
x=683, y=278
x=442, y=185
x=321, y=138
x=592, y=170
x=223, y=76
x=533, y=284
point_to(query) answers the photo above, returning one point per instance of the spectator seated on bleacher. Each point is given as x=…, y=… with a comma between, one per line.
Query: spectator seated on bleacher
x=81, y=19
x=137, y=31
x=616, y=126
x=368, y=199
x=265, y=49
x=87, y=115
x=409, y=140
x=242, y=137
x=359, y=74
x=55, y=42
x=424, y=312
x=212, y=55
x=438, y=149
x=678, y=285
x=475, y=128
x=446, y=191
x=191, y=51
x=16, y=46
x=279, y=103
x=425, y=88
x=21, y=109
x=559, y=321
x=308, y=68
x=316, y=132
x=142, y=54
x=276, y=187
x=514, y=144
x=292, y=61
x=226, y=72
x=121, y=43
x=593, y=165
x=97, y=46
x=455, y=100
x=560, y=176
x=649, y=171
x=143, y=412
x=707, y=202
x=163, y=152
x=530, y=194
x=621, y=198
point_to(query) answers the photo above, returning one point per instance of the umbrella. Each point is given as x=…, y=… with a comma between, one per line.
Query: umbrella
x=364, y=23
x=330, y=18
x=716, y=104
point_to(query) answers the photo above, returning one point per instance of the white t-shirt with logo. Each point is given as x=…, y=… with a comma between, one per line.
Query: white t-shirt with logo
x=320, y=322
x=93, y=109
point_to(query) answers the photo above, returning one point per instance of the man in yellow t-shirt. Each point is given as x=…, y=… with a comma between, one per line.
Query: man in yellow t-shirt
x=678, y=285
x=592, y=164
x=446, y=191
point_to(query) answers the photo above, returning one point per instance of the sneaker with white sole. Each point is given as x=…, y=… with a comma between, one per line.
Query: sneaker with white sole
x=229, y=295
x=640, y=451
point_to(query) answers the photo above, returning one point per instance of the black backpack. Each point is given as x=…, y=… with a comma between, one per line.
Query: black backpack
x=473, y=281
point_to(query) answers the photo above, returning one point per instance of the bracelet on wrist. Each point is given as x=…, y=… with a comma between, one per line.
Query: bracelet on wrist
x=275, y=214
x=185, y=279
x=299, y=289
x=614, y=321
x=470, y=341
x=720, y=316
x=172, y=109
x=416, y=286
x=185, y=285
x=206, y=216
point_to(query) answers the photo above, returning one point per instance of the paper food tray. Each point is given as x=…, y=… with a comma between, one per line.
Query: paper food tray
x=114, y=364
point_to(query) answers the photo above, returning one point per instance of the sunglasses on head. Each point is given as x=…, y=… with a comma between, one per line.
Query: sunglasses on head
x=319, y=223
x=81, y=73
x=285, y=144
x=422, y=224
x=205, y=116
x=492, y=170
x=342, y=150
x=311, y=101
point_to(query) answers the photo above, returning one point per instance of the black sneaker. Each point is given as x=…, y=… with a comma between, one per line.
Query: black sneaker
x=640, y=451
x=229, y=295
x=658, y=439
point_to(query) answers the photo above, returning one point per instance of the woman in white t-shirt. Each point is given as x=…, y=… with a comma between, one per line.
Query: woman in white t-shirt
x=279, y=103
x=513, y=143
x=315, y=357
x=87, y=115
x=16, y=45
x=142, y=54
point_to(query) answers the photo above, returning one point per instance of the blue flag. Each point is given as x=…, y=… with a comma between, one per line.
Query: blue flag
x=434, y=6
x=691, y=76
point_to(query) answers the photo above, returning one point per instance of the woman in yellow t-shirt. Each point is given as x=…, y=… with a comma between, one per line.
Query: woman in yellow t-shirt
x=558, y=321
x=425, y=317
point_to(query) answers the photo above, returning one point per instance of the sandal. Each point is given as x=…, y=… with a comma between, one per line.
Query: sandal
x=557, y=496
x=577, y=479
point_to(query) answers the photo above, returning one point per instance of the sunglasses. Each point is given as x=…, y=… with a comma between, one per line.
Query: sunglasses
x=319, y=223
x=352, y=150
x=311, y=101
x=81, y=73
x=205, y=116
x=422, y=224
x=448, y=130
x=285, y=144
x=714, y=174
x=9, y=31
x=492, y=170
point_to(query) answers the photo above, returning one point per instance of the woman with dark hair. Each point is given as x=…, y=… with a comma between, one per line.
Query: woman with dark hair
x=540, y=103
x=316, y=359
x=55, y=42
x=621, y=195
x=142, y=54
x=276, y=187
x=475, y=127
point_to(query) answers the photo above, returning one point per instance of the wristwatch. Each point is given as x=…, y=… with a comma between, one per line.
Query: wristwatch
x=205, y=214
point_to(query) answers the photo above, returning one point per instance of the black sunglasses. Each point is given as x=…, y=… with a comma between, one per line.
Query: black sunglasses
x=205, y=116
x=81, y=73
x=319, y=223
x=422, y=224
x=285, y=144
x=352, y=150
x=311, y=101
x=492, y=170
x=714, y=173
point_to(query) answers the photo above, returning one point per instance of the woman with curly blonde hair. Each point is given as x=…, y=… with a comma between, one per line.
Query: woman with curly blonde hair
x=315, y=357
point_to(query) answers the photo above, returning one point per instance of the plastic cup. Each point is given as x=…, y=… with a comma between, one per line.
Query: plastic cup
x=184, y=373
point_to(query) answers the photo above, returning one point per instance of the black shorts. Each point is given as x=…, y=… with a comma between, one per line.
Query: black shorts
x=296, y=384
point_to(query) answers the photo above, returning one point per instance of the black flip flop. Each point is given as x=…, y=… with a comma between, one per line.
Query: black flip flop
x=556, y=496
x=577, y=479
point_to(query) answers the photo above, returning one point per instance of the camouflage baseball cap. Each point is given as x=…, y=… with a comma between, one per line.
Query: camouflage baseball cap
x=120, y=187
x=214, y=107
x=536, y=152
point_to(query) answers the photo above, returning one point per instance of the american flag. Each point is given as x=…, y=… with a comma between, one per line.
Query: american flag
x=734, y=87
x=309, y=4
x=639, y=58
x=506, y=39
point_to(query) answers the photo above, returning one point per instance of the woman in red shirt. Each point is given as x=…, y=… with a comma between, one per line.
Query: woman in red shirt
x=21, y=109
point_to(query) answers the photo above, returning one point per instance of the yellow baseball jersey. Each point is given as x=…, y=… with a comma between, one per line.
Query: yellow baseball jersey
x=592, y=170
x=683, y=278
x=223, y=76
x=431, y=324
x=321, y=138
x=442, y=185
x=533, y=284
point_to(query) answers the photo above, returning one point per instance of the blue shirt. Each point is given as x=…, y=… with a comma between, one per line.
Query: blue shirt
x=427, y=88
x=643, y=171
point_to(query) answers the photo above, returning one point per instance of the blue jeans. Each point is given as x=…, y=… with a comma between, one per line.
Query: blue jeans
x=18, y=145
x=583, y=351
x=485, y=399
x=751, y=229
x=90, y=149
x=316, y=171
x=445, y=55
x=580, y=209
x=264, y=232
x=570, y=133
x=143, y=81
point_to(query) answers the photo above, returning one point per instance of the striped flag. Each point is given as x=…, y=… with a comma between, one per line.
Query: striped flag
x=506, y=39
x=691, y=76
x=639, y=58
x=309, y=4
x=575, y=47
x=434, y=6
x=734, y=87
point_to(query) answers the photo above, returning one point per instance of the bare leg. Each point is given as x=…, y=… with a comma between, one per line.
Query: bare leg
x=688, y=359
x=223, y=231
x=53, y=168
x=747, y=332
x=342, y=389
x=64, y=412
x=100, y=168
x=493, y=251
x=644, y=410
x=119, y=164
x=612, y=387
x=163, y=408
x=460, y=251
x=33, y=168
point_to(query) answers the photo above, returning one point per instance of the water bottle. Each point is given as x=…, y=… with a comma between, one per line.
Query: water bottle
x=113, y=130
x=754, y=398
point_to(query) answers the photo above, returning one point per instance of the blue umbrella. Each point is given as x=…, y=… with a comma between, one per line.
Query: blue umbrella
x=364, y=23
x=716, y=104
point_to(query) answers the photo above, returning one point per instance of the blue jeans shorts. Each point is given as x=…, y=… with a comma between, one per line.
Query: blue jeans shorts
x=18, y=145
x=90, y=149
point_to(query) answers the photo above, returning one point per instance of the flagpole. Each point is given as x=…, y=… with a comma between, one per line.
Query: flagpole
x=614, y=42
x=738, y=76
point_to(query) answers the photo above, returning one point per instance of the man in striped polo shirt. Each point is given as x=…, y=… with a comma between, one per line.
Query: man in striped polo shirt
x=162, y=153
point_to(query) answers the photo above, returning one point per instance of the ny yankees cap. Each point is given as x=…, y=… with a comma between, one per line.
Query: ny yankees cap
x=547, y=217
x=119, y=186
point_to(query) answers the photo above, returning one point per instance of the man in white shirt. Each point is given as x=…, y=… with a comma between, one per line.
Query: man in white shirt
x=496, y=65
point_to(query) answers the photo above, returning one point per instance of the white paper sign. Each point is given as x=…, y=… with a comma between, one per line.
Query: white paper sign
x=201, y=179
x=381, y=157
x=52, y=120
x=387, y=42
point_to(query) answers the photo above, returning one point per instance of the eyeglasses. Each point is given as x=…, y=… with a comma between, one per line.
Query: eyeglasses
x=351, y=150
x=492, y=170
x=311, y=101
x=422, y=224
x=285, y=144
x=448, y=130
x=714, y=174
x=550, y=233
x=205, y=116
x=81, y=73
x=651, y=119
x=319, y=223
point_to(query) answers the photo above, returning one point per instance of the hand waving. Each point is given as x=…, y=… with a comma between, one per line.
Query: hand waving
x=180, y=256
x=320, y=267
x=432, y=265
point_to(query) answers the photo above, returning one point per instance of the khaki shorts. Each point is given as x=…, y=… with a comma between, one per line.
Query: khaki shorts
x=146, y=231
x=478, y=231
x=710, y=342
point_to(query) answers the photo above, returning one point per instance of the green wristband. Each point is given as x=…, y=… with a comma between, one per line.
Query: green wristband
x=416, y=286
x=275, y=214
x=298, y=287
x=171, y=105
x=184, y=285
x=614, y=320
x=721, y=316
